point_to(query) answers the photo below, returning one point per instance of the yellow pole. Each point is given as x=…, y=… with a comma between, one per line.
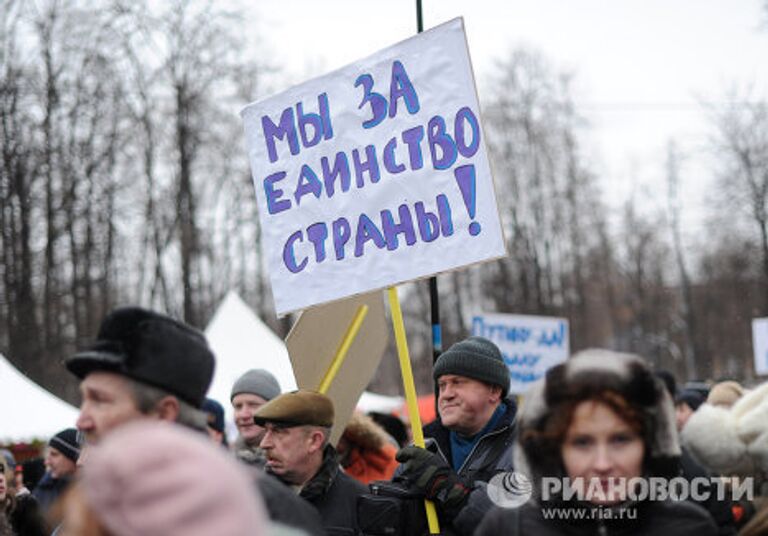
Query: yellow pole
x=341, y=353
x=410, y=392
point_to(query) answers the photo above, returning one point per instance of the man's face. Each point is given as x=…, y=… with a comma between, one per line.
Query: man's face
x=245, y=406
x=465, y=404
x=57, y=464
x=107, y=403
x=287, y=449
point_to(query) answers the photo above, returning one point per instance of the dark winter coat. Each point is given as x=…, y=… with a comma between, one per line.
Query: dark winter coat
x=491, y=455
x=26, y=518
x=335, y=495
x=283, y=506
x=720, y=510
x=48, y=490
x=649, y=519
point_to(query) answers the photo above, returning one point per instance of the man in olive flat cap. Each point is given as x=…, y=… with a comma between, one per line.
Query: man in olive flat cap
x=472, y=439
x=297, y=427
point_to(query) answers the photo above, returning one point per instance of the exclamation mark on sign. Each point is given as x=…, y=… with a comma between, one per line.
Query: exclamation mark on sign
x=465, y=177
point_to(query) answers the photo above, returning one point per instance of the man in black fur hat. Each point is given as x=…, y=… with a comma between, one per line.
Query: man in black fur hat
x=146, y=365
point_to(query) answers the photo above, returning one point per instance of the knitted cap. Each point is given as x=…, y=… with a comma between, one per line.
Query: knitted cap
x=297, y=408
x=476, y=358
x=214, y=413
x=257, y=382
x=66, y=443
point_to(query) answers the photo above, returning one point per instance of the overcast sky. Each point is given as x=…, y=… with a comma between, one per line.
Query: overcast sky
x=641, y=66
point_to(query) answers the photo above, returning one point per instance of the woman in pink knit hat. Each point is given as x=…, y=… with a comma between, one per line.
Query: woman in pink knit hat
x=152, y=478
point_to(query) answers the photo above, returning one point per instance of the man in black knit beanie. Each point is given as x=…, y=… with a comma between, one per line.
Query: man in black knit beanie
x=471, y=440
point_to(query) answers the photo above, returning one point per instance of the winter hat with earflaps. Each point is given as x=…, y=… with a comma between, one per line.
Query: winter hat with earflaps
x=583, y=377
x=150, y=348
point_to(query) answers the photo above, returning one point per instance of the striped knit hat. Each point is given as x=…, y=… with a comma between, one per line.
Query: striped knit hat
x=66, y=443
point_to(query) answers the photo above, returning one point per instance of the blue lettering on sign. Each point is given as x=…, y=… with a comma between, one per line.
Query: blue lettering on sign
x=400, y=86
x=308, y=184
x=274, y=203
x=340, y=169
x=341, y=235
x=289, y=254
x=500, y=331
x=377, y=101
x=521, y=359
x=388, y=231
x=555, y=337
x=287, y=128
x=466, y=150
x=360, y=167
x=524, y=377
x=438, y=141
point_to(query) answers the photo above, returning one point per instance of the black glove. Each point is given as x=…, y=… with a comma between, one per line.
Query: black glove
x=429, y=474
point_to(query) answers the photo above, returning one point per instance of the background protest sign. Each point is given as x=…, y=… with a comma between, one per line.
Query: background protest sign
x=315, y=338
x=374, y=174
x=530, y=344
x=760, y=345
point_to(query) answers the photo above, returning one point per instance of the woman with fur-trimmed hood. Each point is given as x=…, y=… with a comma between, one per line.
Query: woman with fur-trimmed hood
x=597, y=424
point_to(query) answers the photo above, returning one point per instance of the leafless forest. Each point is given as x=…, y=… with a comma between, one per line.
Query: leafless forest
x=124, y=180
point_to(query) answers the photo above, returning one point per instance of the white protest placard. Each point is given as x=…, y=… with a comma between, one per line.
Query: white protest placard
x=530, y=344
x=374, y=174
x=760, y=345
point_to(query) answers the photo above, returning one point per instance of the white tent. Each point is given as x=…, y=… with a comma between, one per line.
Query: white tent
x=29, y=411
x=241, y=341
x=381, y=403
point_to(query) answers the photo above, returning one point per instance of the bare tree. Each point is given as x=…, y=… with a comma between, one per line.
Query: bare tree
x=674, y=210
x=742, y=143
x=547, y=195
x=117, y=123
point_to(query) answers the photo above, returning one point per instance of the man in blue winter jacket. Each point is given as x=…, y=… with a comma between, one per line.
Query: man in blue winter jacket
x=60, y=464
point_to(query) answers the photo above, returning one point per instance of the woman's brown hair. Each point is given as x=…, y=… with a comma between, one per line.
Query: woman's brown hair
x=547, y=440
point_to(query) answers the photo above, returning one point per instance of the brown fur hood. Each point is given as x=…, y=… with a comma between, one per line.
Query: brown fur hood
x=363, y=432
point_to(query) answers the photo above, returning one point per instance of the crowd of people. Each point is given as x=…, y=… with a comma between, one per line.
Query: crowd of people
x=150, y=456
